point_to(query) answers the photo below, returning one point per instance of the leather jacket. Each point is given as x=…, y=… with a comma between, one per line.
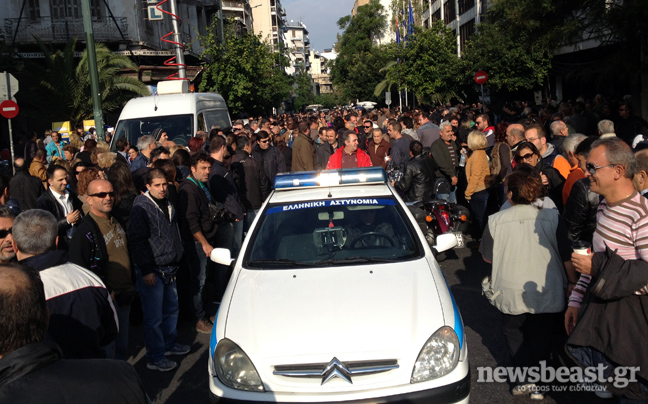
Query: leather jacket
x=418, y=179
x=580, y=211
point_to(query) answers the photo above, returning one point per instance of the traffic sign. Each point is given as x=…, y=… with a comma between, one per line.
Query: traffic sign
x=8, y=109
x=7, y=80
x=481, y=77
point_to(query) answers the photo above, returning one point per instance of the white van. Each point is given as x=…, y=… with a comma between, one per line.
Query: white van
x=175, y=110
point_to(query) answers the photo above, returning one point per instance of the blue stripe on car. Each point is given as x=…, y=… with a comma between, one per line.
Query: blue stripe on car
x=212, y=340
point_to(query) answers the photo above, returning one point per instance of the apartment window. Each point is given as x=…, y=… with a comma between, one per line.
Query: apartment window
x=294, y=33
x=34, y=9
x=62, y=9
x=465, y=32
x=449, y=12
x=465, y=5
x=436, y=16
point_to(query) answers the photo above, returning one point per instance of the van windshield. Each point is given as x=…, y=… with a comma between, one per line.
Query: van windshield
x=179, y=128
x=217, y=117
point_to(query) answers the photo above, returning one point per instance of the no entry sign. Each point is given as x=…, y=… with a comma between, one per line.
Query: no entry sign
x=8, y=109
x=481, y=77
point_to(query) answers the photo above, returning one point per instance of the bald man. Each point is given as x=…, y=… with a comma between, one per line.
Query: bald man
x=99, y=245
x=515, y=135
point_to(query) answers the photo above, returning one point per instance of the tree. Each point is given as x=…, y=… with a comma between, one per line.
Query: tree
x=245, y=71
x=304, y=89
x=358, y=60
x=428, y=65
x=66, y=80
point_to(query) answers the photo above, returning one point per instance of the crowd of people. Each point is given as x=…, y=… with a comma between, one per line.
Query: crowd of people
x=107, y=228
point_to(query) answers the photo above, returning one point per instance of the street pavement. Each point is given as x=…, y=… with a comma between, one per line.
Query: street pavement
x=463, y=268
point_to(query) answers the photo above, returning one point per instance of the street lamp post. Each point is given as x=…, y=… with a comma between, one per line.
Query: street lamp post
x=92, y=68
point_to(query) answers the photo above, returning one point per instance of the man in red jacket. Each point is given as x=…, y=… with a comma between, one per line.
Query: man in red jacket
x=349, y=156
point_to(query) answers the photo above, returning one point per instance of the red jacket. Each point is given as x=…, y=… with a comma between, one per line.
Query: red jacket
x=335, y=161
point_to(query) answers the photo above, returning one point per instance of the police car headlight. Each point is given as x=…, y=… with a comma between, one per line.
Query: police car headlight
x=439, y=356
x=234, y=369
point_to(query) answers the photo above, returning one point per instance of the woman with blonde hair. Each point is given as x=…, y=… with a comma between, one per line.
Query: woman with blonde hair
x=477, y=168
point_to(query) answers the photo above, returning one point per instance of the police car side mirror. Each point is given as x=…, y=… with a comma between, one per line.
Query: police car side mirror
x=445, y=242
x=221, y=256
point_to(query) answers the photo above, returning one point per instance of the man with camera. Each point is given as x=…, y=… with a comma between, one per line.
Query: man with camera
x=198, y=231
x=100, y=245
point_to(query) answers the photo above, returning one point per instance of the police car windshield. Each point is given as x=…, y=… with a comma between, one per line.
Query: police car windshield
x=332, y=232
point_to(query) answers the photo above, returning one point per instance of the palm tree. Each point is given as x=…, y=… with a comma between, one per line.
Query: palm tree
x=68, y=82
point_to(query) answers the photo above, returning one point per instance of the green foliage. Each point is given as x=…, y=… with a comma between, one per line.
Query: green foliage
x=429, y=65
x=354, y=71
x=511, y=65
x=304, y=89
x=245, y=71
x=330, y=100
x=67, y=80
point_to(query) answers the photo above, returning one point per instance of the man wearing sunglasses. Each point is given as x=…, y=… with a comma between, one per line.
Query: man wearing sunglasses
x=99, y=245
x=7, y=253
x=269, y=156
x=612, y=327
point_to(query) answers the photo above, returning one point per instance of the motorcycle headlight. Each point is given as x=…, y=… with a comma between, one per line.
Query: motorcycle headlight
x=234, y=369
x=439, y=356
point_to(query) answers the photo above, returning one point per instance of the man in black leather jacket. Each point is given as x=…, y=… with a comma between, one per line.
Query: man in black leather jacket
x=579, y=214
x=418, y=176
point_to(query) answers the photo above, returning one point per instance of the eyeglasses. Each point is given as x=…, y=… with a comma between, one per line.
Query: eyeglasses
x=102, y=195
x=593, y=168
x=5, y=233
x=264, y=141
x=532, y=139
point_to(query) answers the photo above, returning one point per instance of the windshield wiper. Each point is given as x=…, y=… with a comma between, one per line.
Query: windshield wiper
x=351, y=260
x=279, y=262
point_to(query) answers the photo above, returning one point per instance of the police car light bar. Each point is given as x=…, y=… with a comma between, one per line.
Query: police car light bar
x=326, y=178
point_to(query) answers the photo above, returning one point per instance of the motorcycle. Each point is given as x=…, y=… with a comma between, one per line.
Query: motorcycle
x=442, y=222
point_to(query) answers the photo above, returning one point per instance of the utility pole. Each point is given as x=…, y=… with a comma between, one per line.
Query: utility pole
x=92, y=68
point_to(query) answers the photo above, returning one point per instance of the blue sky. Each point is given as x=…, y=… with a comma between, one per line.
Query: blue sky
x=320, y=17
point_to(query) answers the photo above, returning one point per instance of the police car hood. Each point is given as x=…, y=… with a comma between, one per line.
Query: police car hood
x=351, y=312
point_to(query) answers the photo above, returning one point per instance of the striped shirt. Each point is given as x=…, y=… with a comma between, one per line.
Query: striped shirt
x=621, y=226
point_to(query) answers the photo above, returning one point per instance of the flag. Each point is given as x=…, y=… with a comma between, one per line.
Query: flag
x=397, y=33
x=410, y=22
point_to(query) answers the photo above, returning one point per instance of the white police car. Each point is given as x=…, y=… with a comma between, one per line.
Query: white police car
x=336, y=297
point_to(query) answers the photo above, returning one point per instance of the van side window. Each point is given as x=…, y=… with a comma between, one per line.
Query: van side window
x=201, y=122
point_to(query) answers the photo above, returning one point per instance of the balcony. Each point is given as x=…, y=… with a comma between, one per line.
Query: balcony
x=51, y=30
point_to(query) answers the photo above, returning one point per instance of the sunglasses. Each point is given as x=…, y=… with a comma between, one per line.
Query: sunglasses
x=264, y=141
x=368, y=126
x=102, y=195
x=525, y=157
x=593, y=168
x=4, y=233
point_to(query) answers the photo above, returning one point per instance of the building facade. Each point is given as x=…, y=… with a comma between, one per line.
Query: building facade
x=241, y=12
x=124, y=26
x=269, y=21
